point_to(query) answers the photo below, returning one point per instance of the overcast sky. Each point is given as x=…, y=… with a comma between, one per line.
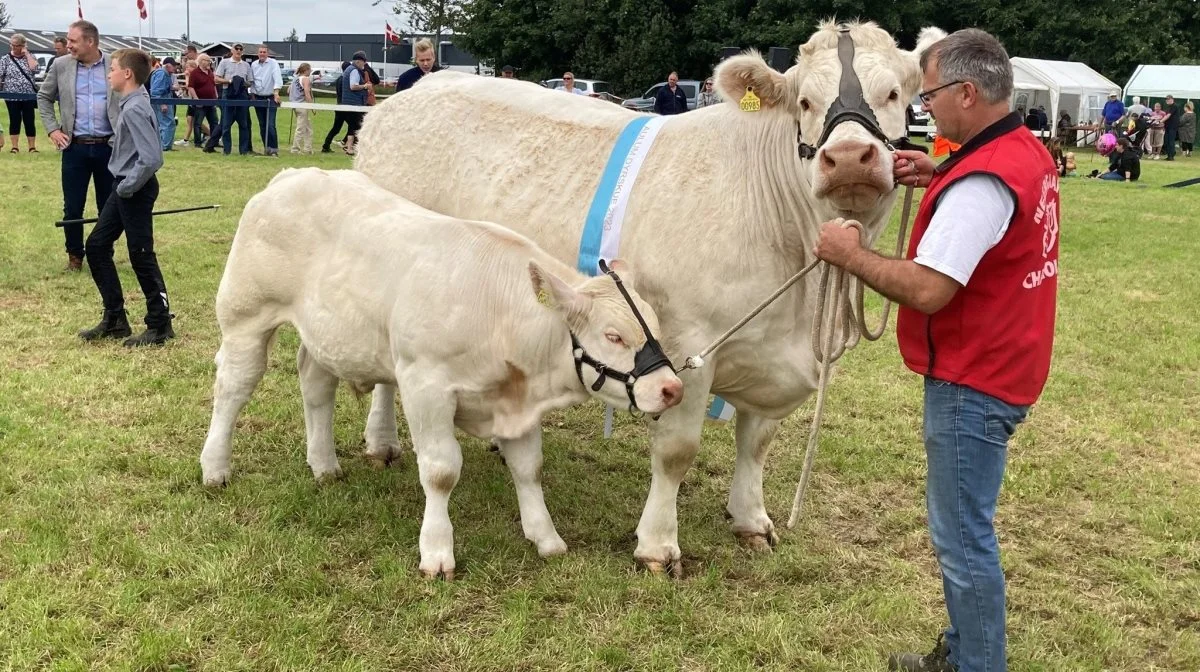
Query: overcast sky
x=212, y=20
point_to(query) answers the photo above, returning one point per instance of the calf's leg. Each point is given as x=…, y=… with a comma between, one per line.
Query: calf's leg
x=429, y=409
x=241, y=362
x=383, y=445
x=318, y=387
x=524, y=459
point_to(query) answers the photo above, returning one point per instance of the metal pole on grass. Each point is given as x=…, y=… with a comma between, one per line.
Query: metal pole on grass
x=93, y=220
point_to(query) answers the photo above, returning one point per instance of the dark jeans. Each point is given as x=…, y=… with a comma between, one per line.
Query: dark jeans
x=82, y=164
x=132, y=217
x=204, y=113
x=230, y=115
x=266, y=123
x=966, y=447
x=21, y=111
x=1172, y=132
x=339, y=118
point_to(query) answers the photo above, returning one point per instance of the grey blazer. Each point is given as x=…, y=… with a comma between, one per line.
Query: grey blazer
x=59, y=86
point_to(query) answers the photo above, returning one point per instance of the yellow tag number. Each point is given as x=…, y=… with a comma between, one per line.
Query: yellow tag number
x=750, y=102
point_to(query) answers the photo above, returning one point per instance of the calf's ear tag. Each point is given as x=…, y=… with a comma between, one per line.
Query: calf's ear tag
x=750, y=102
x=543, y=297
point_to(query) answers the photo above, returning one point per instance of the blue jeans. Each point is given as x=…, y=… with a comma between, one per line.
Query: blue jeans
x=1113, y=175
x=266, y=122
x=166, y=126
x=966, y=445
x=83, y=164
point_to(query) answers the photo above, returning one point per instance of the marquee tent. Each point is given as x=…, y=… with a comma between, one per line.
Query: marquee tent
x=1061, y=86
x=1156, y=81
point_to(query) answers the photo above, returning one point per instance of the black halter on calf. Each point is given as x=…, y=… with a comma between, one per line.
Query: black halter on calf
x=851, y=105
x=649, y=358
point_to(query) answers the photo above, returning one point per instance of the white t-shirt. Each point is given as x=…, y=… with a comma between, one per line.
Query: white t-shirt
x=972, y=216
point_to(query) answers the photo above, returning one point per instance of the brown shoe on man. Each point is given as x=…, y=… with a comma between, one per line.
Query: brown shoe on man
x=74, y=263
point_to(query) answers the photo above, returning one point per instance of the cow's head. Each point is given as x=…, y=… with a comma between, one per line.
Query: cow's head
x=616, y=355
x=848, y=159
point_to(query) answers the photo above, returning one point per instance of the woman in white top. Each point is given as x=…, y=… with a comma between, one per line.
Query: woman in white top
x=300, y=91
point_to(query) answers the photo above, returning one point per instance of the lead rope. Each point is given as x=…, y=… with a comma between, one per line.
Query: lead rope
x=823, y=340
x=853, y=325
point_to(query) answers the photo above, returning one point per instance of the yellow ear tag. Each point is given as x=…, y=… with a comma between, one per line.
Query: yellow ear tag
x=543, y=298
x=750, y=102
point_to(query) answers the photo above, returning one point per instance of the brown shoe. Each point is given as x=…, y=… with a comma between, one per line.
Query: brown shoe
x=74, y=263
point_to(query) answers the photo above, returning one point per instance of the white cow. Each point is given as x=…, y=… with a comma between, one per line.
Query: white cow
x=385, y=292
x=724, y=210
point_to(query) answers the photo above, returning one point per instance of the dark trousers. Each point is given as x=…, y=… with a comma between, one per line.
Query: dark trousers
x=339, y=119
x=1185, y=146
x=21, y=111
x=204, y=113
x=132, y=217
x=1172, y=132
x=82, y=164
x=229, y=116
x=266, y=123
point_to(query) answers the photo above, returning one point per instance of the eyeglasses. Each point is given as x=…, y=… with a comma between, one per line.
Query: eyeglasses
x=568, y=79
x=708, y=83
x=927, y=96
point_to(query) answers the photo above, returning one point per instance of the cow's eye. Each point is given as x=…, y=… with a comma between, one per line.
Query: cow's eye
x=805, y=105
x=894, y=95
x=614, y=338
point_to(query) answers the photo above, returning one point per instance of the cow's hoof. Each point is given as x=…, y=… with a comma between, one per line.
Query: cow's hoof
x=439, y=573
x=216, y=478
x=759, y=542
x=327, y=476
x=671, y=568
x=551, y=548
x=381, y=454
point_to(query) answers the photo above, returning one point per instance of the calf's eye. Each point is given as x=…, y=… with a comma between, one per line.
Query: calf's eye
x=614, y=338
x=894, y=95
x=805, y=105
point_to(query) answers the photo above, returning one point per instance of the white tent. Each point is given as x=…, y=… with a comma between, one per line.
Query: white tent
x=1156, y=81
x=1061, y=85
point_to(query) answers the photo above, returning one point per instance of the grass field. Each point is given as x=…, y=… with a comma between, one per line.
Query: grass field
x=113, y=556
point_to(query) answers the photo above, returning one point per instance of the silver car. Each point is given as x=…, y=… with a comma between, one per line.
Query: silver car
x=646, y=103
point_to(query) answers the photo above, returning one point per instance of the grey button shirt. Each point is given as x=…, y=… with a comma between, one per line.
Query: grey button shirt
x=137, y=151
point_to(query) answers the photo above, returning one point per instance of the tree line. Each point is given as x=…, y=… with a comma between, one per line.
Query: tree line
x=635, y=43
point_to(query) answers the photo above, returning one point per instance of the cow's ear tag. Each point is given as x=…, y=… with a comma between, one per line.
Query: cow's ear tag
x=750, y=102
x=543, y=297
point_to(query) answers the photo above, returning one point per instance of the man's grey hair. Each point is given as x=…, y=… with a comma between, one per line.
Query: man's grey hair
x=972, y=55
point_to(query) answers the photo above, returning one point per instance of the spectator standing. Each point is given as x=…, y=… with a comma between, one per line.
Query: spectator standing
x=268, y=79
x=340, y=118
x=355, y=83
x=1187, y=128
x=234, y=74
x=707, y=97
x=300, y=91
x=568, y=79
x=424, y=56
x=83, y=128
x=16, y=76
x=1170, y=126
x=162, y=85
x=507, y=72
x=671, y=99
x=60, y=49
x=202, y=87
x=1114, y=109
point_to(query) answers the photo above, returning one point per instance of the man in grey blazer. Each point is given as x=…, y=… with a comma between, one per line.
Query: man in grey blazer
x=83, y=129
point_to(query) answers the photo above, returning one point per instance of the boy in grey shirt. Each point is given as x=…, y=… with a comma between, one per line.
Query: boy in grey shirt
x=136, y=156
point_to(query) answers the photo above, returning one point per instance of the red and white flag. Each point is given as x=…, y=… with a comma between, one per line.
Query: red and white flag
x=79, y=9
x=141, y=5
x=389, y=35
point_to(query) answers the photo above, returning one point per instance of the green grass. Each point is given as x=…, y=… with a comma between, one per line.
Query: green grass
x=113, y=556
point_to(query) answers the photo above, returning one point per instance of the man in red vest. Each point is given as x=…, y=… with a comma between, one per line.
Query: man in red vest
x=978, y=290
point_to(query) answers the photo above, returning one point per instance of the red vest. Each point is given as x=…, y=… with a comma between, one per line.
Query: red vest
x=996, y=334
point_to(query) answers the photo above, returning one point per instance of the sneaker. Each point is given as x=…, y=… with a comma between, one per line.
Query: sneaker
x=326, y=150
x=182, y=143
x=151, y=336
x=935, y=661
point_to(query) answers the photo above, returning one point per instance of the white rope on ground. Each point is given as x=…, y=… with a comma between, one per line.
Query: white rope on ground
x=847, y=324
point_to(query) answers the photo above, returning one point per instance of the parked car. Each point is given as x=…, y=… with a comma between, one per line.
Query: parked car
x=918, y=119
x=595, y=88
x=646, y=103
x=288, y=74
